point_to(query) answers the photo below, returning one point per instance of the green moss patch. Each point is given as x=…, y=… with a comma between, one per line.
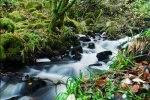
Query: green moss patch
x=11, y=47
x=7, y=24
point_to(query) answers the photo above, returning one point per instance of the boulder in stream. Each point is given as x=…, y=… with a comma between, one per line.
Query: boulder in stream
x=85, y=39
x=77, y=49
x=91, y=45
x=32, y=84
x=77, y=56
x=11, y=77
x=103, y=55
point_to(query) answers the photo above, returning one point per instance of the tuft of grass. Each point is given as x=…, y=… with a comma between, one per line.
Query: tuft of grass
x=123, y=60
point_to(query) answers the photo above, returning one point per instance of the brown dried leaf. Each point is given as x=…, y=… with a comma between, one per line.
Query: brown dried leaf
x=145, y=62
x=145, y=75
x=135, y=88
x=123, y=85
x=100, y=81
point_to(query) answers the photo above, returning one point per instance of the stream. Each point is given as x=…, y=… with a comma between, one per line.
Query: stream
x=53, y=72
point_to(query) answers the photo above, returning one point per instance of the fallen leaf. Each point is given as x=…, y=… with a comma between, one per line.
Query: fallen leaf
x=100, y=81
x=127, y=81
x=123, y=85
x=138, y=80
x=145, y=75
x=130, y=76
x=135, y=88
x=144, y=62
x=146, y=86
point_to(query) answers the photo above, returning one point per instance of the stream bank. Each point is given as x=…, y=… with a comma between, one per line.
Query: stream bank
x=45, y=76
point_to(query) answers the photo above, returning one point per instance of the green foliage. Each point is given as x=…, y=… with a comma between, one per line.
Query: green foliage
x=123, y=60
x=34, y=4
x=142, y=6
x=33, y=44
x=146, y=34
x=16, y=16
x=78, y=26
x=38, y=15
x=67, y=34
x=11, y=47
x=36, y=25
x=7, y=24
x=89, y=21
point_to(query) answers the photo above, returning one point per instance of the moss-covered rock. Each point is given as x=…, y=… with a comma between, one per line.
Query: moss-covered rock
x=67, y=34
x=89, y=21
x=36, y=25
x=17, y=16
x=38, y=15
x=78, y=26
x=11, y=47
x=37, y=5
x=7, y=24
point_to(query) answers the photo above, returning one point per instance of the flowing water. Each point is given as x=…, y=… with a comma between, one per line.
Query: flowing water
x=61, y=71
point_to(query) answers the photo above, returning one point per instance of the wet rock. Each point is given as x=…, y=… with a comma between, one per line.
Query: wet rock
x=77, y=49
x=91, y=45
x=85, y=39
x=10, y=77
x=76, y=43
x=31, y=85
x=103, y=55
x=77, y=56
x=56, y=58
x=91, y=34
x=98, y=64
x=14, y=98
x=11, y=66
x=56, y=53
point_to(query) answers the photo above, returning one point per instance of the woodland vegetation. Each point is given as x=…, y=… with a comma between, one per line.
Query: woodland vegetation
x=31, y=29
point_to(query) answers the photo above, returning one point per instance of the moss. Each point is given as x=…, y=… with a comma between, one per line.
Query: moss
x=36, y=5
x=16, y=16
x=36, y=25
x=78, y=26
x=32, y=9
x=38, y=15
x=7, y=24
x=2, y=53
x=22, y=4
x=56, y=45
x=67, y=34
x=48, y=4
x=11, y=47
x=90, y=15
x=21, y=25
x=89, y=21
